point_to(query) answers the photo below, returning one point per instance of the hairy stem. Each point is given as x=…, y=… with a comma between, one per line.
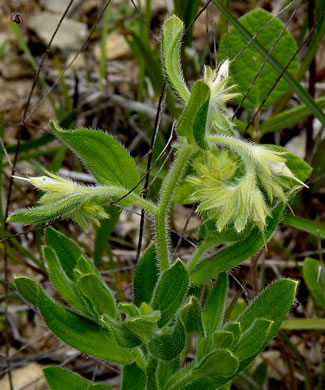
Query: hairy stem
x=168, y=190
x=134, y=198
x=151, y=374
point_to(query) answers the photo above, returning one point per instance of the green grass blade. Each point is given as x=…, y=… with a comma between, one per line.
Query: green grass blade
x=304, y=225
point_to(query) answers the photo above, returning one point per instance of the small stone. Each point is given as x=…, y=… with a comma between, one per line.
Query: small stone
x=116, y=47
x=70, y=36
x=58, y=6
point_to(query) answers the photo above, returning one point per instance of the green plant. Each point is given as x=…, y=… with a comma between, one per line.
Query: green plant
x=242, y=190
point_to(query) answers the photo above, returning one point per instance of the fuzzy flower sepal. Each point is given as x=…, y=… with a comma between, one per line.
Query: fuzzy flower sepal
x=62, y=198
x=234, y=194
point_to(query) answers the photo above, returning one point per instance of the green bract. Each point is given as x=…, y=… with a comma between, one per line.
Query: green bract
x=242, y=190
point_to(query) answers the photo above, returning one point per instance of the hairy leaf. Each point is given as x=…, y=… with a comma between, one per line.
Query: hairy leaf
x=67, y=250
x=57, y=377
x=146, y=276
x=170, y=292
x=98, y=294
x=214, y=308
x=220, y=362
x=253, y=340
x=133, y=378
x=62, y=283
x=106, y=158
x=191, y=317
x=172, y=33
x=233, y=255
x=81, y=333
x=28, y=288
x=170, y=344
x=193, y=122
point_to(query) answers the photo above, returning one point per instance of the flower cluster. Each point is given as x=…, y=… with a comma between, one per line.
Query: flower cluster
x=239, y=182
x=220, y=93
x=69, y=196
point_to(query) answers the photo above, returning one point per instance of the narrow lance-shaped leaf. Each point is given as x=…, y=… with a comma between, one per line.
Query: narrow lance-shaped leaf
x=170, y=344
x=146, y=276
x=144, y=326
x=170, y=292
x=133, y=378
x=223, y=339
x=191, y=317
x=106, y=158
x=98, y=294
x=81, y=333
x=171, y=41
x=253, y=340
x=233, y=255
x=214, y=309
x=192, y=123
x=220, y=362
x=62, y=283
x=48, y=212
x=67, y=250
x=57, y=377
x=123, y=335
x=28, y=288
x=272, y=305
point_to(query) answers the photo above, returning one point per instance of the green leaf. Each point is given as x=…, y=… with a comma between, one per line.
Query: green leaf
x=47, y=212
x=133, y=378
x=233, y=255
x=57, y=377
x=191, y=317
x=304, y=324
x=214, y=309
x=166, y=369
x=193, y=121
x=289, y=118
x=129, y=308
x=144, y=326
x=124, y=336
x=252, y=61
x=170, y=292
x=146, y=54
x=235, y=329
x=146, y=276
x=299, y=90
x=253, y=340
x=314, y=276
x=170, y=344
x=98, y=294
x=28, y=288
x=220, y=362
x=62, y=283
x=172, y=33
x=187, y=10
x=106, y=158
x=272, y=304
x=223, y=339
x=304, y=225
x=81, y=333
x=66, y=249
